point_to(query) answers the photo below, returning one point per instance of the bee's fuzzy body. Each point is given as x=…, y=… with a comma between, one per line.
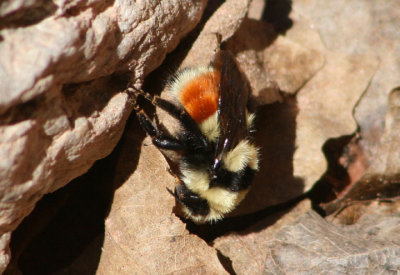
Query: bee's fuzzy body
x=218, y=157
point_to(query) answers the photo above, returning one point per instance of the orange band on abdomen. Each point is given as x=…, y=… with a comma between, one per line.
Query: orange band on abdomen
x=200, y=95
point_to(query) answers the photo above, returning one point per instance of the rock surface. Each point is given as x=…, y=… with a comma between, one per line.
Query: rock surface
x=313, y=73
x=61, y=106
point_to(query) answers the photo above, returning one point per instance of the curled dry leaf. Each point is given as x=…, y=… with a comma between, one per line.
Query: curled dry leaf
x=382, y=179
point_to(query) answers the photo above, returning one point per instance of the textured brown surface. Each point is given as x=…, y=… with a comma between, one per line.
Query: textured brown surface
x=326, y=106
x=141, y=225
x=59, y=108
x=357, y=28
x=381, y=180
x=141, y=234
x=246, y=249
x=312, y=245
x=318, y=70
x=323, y=110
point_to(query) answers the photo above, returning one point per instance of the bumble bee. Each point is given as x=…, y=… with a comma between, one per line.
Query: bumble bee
x=218, y=159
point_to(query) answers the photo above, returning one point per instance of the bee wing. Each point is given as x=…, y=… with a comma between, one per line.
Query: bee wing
x=234, y=91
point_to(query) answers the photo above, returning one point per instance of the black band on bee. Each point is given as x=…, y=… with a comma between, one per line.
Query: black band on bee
x=233, y=181
x=195, y=204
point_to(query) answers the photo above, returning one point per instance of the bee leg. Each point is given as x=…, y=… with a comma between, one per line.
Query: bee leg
x=198, y=139
x=161, y=140
x=170, y=108
x=168, y=143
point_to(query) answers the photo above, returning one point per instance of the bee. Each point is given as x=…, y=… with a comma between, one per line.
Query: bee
x=217, y=155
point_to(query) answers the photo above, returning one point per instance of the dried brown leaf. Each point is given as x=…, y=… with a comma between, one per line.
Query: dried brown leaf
x=272, y=61
x=290, y=64
x=142, y=234
x=387, y=159
x=361, y=27
x=326, y=106
x=224, y=21
x=247, y=250
x=312, y=245
x=382, y=179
